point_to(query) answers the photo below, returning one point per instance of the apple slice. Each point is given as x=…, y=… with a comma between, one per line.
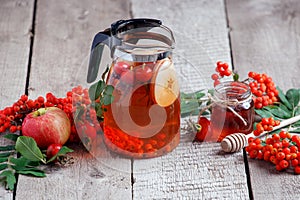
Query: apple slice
x=165, y=89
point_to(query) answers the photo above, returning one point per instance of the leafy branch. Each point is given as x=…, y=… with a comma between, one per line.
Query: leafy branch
x=101, y=95
x=190, y=103
x=287, y=107
x=27, y=164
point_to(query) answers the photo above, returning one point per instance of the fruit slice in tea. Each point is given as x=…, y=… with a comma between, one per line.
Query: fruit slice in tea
x=165, y=88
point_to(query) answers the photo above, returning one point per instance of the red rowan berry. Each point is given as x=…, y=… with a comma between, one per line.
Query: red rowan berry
x=284, y=164
x=13, y=129
x=278, y=167
x=275, y=137
x=295, y=162
x=294, y=149
x=286, y=150
x=297, y=169
x=214, y=77
x=24, y=97
x=280, y=155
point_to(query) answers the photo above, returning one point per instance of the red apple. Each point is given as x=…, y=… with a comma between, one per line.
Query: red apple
x=47, y=126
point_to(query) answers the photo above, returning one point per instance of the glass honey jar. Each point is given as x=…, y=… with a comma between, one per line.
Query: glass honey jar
x=232, y=110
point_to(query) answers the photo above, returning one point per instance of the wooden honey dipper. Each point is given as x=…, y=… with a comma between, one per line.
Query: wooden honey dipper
x=237, y=141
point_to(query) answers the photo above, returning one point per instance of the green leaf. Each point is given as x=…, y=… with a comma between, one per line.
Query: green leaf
x=6, y=154
x=7, y=148
x=297, y=111
x=293, y=96
x=295, y=131
x=284, y=99
x=236, y=76
x=3, y=166
x=109, y=90
x=96, y=89
x=107, y=99
x=199, y=95
x=78, y=113
x=4, y=159
x=193, y=95
x=189, y=108
x=282, y=106
x=32, y=171
x=21, y=162
x=278, y=112
x=28, y=148
x=10, y=179
x=264, y=113
x=12, y=137
x=190, y=103
x=63, y=151
x=99, y=112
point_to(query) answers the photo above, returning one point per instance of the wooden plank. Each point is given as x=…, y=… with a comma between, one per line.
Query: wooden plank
x=86, y=178
x=15, y=25
x=64, y=31
x=196, y=171
x=191, y=171
x=265, y=38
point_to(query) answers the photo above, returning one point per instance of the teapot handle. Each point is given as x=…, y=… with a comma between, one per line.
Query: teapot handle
x=102, y=38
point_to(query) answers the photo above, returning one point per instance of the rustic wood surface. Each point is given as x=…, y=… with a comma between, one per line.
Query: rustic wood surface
x=184, y=174
x=265, y=36
x=15, y=26
x=62, y=39
x=258, y=35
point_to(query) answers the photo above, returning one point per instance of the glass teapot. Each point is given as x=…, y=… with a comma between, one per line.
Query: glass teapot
x=144, y=118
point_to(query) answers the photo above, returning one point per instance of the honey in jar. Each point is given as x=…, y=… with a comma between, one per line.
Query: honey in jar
x=232, y=110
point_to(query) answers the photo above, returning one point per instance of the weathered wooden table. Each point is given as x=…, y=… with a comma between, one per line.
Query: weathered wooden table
x=44, y=46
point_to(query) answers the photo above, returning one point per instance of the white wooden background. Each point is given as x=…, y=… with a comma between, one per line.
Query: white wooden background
x=44, y=46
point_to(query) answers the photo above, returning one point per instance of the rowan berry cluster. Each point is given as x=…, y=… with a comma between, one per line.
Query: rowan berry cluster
x=264, y=89
x=85, y=115
x=222, y=70
x=11, y=117
x=281, y=149
x=266, y=124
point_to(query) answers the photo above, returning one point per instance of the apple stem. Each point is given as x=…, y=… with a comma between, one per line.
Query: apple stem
x=40, y=112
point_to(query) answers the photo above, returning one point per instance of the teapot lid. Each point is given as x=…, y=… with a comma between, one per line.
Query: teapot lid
x=125, y=25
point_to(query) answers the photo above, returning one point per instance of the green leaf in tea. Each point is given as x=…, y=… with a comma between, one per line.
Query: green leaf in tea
x=96, y=90
x=78, y=113
x=109, y=90
x=28, y=148
x=107, y=99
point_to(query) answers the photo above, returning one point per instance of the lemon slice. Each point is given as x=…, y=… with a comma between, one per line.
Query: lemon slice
x=166, y=86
